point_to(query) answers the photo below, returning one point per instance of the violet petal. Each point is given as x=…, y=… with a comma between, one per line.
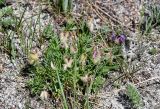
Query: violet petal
x=122, y=38
x=113, y=37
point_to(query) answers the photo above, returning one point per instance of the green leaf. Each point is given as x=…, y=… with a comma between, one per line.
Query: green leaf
x=6, y=11
x=48, y=32
x=98, y=82
x=65, y=5
x=1, y=2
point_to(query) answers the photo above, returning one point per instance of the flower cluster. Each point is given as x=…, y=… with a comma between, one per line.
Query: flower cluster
x=118, y=39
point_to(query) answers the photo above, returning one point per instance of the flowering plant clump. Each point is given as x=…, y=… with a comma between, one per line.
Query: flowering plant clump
x=74, y=63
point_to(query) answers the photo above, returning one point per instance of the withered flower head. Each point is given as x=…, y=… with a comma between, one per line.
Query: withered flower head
x=86, y=79
x=33, y=57
x=73, y=49
x=68, y=63
x=90, y=24
x=53, y=66
x=96, y=55
x=64, y=38
x=83, y=59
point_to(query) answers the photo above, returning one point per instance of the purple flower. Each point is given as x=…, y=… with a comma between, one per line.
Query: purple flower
x=95, y=54
x=113, y=36
x=121, y=38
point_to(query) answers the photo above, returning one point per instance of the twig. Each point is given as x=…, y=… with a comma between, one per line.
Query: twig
x=110, y=83
x=115, y=3
x=99, y=105
x=145, y=81
x=111, y=17
x=98, y=14
x=123, y=75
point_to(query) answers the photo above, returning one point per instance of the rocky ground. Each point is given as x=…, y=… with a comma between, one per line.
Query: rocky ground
x=13, y=91
x=146, y=77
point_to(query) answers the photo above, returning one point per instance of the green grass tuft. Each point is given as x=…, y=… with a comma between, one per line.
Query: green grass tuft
x=134, y=95
x=150, y=20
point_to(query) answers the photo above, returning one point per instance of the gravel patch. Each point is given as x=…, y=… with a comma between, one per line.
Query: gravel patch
x=13, y=91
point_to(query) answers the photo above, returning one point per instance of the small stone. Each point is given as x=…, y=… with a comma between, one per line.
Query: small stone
x=1, y=68
x=44, y=95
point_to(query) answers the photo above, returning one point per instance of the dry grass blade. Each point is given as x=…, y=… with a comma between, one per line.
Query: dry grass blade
x=113, y=17
x=106, y=15
x=150, y=81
